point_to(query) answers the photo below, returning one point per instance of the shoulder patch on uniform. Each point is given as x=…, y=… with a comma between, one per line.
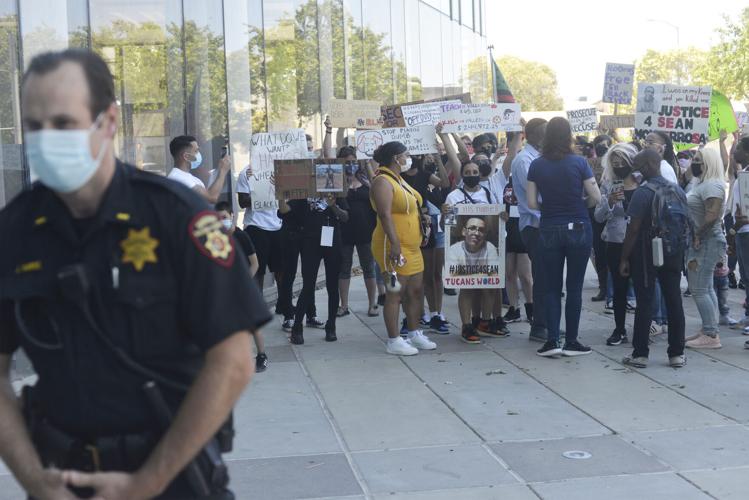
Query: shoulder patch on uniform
x=139, y=248
x=211, y=238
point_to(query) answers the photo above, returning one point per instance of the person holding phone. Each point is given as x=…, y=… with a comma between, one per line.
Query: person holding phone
x=617, y=187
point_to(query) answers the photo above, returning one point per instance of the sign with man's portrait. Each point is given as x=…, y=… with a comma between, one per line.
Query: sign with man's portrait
x=474, y=247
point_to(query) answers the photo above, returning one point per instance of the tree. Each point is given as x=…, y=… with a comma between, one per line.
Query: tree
x=673, y=66
x=727, y=66
x=533, y=84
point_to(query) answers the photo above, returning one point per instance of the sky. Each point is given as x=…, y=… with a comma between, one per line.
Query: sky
x=577, y=39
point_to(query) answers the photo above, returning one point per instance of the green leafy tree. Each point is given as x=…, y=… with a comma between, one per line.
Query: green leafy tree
x=673, y=66
x=727, y=65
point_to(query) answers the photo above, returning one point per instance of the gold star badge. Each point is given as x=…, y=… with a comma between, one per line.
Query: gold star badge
x=139, y=247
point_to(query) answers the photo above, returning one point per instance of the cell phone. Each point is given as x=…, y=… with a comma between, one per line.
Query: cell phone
x=617, y=185
x=225, y=148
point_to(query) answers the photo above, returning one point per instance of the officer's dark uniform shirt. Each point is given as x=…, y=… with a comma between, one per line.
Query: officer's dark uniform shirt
x=167, y=285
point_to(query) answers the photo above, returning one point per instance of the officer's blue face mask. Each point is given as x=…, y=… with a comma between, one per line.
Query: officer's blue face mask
x=197, y=161
x=61, y=159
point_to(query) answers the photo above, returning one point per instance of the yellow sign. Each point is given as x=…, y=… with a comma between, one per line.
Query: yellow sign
x=139, y=247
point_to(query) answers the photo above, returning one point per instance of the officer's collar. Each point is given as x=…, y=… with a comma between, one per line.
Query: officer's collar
x=116, y=205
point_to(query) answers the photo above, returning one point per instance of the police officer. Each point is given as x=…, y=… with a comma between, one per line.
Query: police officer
x=129, y=298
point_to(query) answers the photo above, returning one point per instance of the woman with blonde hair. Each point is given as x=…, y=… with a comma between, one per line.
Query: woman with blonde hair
x=706, y=202
x=617, y=187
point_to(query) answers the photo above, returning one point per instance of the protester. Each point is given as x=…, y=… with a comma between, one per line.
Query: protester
x=617, y=187
x=556, y=183
x=357, y=233
x=517, y=262
x=637, y=261
x=661, y=143
x=187, y=157
x=320, y=220
x=706, y=206
x=741, y=226
x=247, y=249
x=529, y=220
x=601, y=144
x=396, y=246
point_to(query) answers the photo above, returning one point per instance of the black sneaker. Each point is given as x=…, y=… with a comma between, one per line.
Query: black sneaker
x=315, y=323
x=330, y=335
x=687, y=293
x=617, y=338
x=288, y=324
x=609, y=307
x=451, y=292
x=549, y=349
x=261, y=362
x=381, y=300
x=297, y=335
x=575, y=348
x=437, y=325
x=513, y=315
x=732, y=280
x=529, y=313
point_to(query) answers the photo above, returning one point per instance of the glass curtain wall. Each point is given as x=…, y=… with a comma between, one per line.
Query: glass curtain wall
x=11, y=171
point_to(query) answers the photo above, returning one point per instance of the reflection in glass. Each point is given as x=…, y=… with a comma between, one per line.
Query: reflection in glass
x=52, y=25
x=354, y=48
x=431, y=59
x=413, y=51
x=378, y=61
x=11, y=172
x=398, y=22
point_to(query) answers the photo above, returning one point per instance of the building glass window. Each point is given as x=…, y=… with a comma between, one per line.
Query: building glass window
x=430, y=31
x=144, y=49
x=466, y=13
x=413, y=52
x=354, y=44
x=398, y=32
x=11, y=148
x=378, y=57
x=52, y=25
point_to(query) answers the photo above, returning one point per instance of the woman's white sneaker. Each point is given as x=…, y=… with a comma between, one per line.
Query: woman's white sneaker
x=421, y=341
x=400, y=347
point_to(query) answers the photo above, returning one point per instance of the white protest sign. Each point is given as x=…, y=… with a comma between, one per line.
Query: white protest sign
x=617, y=83
x=682, y=112
x=742, y=120
x=743, y=201
x=427, y=113
x=346, y=113
x=613, y=122
x=266, y=147
x=418, y=140
x=475, y=247
x=479, y=118
x=583, y=120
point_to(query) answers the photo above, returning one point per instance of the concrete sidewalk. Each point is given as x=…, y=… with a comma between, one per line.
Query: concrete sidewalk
x=491, y=421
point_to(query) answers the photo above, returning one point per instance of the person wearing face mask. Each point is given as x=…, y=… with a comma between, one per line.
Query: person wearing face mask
x=477, y=307
x=154, y=308
x=617, y=187
x=706, y=201
x=187, y=157
x=396, y=245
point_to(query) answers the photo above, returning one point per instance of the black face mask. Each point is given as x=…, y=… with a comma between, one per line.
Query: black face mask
x=431, y=168
x=601, y=150
x=622, y=172
x=696, y=169
x=490, y=149
x=485, y=168
x=471, y=181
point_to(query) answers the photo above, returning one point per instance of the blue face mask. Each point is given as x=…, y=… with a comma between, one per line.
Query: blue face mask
x=197, y=161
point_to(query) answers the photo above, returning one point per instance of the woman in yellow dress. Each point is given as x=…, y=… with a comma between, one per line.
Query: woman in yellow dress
x=396, y=245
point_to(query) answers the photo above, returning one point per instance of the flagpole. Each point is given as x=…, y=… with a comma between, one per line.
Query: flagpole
x=494, y=76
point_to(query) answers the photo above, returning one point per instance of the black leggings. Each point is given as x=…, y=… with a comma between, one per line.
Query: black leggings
x=620, y=284
x=291, y=250
x=312, y=253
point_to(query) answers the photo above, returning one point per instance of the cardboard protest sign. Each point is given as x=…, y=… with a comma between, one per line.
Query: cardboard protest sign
x=391, y=116
x=479, y=118
x=427, y=113
x=266, y=147
x=583, y=120
x=418, y=140
x=617, y=83
x=347, y=113
x=683, y=112
x=613, y=122
x=302, y=179
x=475, y=247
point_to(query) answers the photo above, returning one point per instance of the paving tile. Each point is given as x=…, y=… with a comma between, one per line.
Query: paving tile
x=293, y=477
x=641, y=486
x=280, y=354
x=543, y=460
x=430, y=469
x=727, y=484
x=697, y=449
x=506, y=405
x=279, y=415
x=616, y=396
x=347, y=347
x=379, y=404
x=503, y=492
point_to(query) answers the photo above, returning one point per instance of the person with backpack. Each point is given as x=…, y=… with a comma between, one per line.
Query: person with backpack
x=657, y=237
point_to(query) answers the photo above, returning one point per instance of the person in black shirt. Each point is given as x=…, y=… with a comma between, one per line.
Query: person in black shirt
x=119, y=285
x=357, y=233
x=321, y=240
x=247, y=249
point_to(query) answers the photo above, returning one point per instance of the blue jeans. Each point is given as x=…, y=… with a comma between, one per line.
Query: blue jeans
x=660, y=315
x=560, y=244
x=720, y=284
x=700, y=268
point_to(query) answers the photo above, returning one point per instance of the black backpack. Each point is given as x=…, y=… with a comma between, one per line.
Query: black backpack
x=670, y=218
